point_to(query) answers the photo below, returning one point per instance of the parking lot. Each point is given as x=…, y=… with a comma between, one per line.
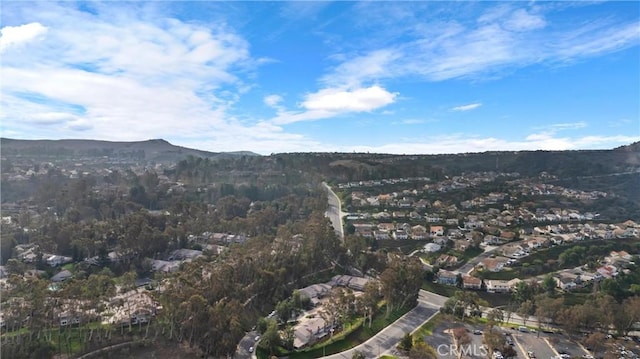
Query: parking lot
x=441, y=339
x=564, y=345
x=476, y=341
x=531, y=343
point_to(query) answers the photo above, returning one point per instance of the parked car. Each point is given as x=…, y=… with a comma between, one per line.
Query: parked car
x=250, y=349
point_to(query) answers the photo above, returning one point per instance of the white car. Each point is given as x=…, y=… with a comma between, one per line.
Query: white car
x=250, y=349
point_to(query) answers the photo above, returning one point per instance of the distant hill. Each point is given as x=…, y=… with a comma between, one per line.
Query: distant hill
x=156, y=150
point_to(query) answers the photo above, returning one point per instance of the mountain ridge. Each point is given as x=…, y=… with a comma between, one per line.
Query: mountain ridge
x=151, y=150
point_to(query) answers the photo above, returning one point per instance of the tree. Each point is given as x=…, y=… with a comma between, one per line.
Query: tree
x=271, y=340
x=526, y=309
x=401, y=282
x=369, y=299
x=464, y=302
x=549, y=285
x=406, y=343
x=509, y=309
x=283, y=310
x=547, y=309
x=494, y=340
x=523, y=292
x=595, y=342
x=461, y=337
x=261, y=326
x=422, y=350
x=495, y=316
x=626, y=315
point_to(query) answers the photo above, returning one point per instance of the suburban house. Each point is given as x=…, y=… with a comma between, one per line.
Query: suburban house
x=436, y=231
x=441, y=240
x=614, y=256
x=491, y=240
x=608, y=271
x=498, y=286
x=400, y=234
x=315, y=292
x=493, y=264
x=379, y=235
x=446, y=277
x=565, y=282
x=158, y=265
x=61, y=276
x=184, y=254
x=309, y=331
x=419, y=232
x=386, y=227
x=446, y=260
x=470, y=282
x=432, y=247
x=56, y=260
x=355, y=283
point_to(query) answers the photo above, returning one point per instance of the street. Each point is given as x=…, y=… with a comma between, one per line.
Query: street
x=334, y=211
x=246, y=342
x=389, y=337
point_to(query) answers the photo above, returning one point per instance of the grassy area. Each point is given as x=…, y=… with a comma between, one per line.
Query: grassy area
x=347, y=340
x=71, y=267
x=427, y=328
x=572, y=298
x=507, y=274
x=388, y=357
x=406, y=246
x=469, y=253
x=445, y=290
x=495, y=299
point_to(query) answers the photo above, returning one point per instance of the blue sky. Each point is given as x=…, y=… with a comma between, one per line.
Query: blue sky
x=392, y=77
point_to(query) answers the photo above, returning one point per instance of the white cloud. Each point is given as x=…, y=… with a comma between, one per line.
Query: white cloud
x=133, y=77
x=563, y=126
x=16, y=35
x=411, y=121
x=357, y=100
x=522, y=20
x=621, y=122
x=502, y=39
x=461, y=143
x=354, y=72
x=469, y=107
x=331, y=102
x=272, y=100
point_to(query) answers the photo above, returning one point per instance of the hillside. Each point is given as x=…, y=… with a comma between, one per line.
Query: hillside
x=156, y=150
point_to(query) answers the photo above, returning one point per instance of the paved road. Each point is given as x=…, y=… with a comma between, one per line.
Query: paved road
x=334, y=211
x=389, y=337
x=248, y=341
